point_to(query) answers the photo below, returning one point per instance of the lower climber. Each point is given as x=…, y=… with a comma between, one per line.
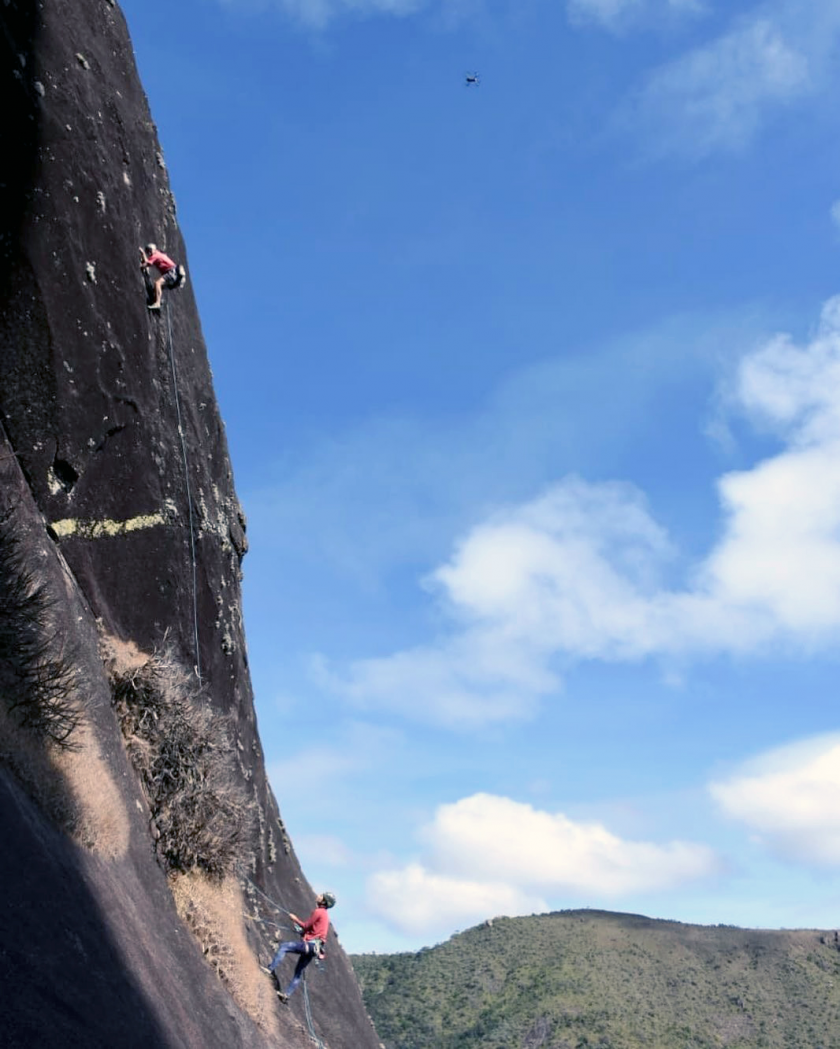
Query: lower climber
x=158, y=270
x=311, y=945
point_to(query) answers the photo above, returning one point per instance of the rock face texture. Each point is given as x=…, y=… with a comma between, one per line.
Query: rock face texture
x=115, y=478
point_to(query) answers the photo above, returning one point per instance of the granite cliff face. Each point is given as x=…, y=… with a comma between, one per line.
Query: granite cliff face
x=117, y=494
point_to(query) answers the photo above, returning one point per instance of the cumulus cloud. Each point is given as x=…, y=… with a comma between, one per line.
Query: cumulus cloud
x=577, y=569
x=489, y=855
x=417, y=901
x=585, y=572
x=790, y=799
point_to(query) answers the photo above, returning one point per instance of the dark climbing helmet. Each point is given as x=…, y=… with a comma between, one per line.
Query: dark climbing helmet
x=328, y=898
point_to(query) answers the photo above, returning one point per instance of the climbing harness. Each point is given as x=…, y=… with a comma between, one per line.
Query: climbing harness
x=189, y=497
x=175, y=279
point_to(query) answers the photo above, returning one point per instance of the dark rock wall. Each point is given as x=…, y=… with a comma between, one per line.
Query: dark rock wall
x=88, y=396
x=109, y=410
x=92, y=952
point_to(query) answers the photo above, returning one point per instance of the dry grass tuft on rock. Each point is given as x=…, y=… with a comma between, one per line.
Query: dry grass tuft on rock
x=201, y=816
x=39, y=672
x=213, y=913
x=99, y=819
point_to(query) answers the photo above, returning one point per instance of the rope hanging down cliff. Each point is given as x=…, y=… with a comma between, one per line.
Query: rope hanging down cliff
x=308, y=1011
x=189, y=497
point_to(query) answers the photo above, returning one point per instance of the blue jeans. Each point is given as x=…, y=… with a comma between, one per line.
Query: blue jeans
x=293, y=947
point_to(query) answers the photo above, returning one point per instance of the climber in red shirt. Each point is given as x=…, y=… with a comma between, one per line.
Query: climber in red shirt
x=159, y=269
x=311, y=945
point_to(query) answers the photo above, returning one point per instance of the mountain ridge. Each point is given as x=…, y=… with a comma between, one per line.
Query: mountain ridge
x=594, y=978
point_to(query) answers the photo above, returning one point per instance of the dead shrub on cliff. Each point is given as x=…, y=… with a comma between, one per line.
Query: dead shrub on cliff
x=200, y=814
x=39, y=672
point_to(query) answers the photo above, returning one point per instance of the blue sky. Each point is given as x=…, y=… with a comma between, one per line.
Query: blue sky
x=533, y=397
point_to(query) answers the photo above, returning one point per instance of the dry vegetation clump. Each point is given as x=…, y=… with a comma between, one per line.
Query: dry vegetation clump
x=99, y=819
x=201, y=816
x=46, y=740
x=33, y=766
x=200, y=813
x=213, y=913
x=40, y=683
x=39, y=672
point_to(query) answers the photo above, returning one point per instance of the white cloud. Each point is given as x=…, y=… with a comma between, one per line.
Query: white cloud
x=489, y=855
x=790, y=798
x=461, y=682
x=423, y=477
x=584, y=571
x=417, y=901
x=717, y=96
x=573, y=569
x=835, y=213
x=543, y=850
x=358, y=750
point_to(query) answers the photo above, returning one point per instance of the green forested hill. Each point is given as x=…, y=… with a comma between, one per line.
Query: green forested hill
x=592, y=979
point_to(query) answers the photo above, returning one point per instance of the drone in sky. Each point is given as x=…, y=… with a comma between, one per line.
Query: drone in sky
x=472, y=80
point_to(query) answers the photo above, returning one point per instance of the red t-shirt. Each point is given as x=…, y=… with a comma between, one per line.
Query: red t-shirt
x=317, y=925
x=161, y=261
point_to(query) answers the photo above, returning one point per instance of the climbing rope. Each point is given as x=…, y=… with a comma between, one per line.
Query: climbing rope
x=189, y=498
x=264, y=921
x=272, y=903
x=267, y=898
x=308, y=1011
x=282, y=910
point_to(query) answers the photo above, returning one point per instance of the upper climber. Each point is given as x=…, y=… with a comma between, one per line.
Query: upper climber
x=159, y=269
